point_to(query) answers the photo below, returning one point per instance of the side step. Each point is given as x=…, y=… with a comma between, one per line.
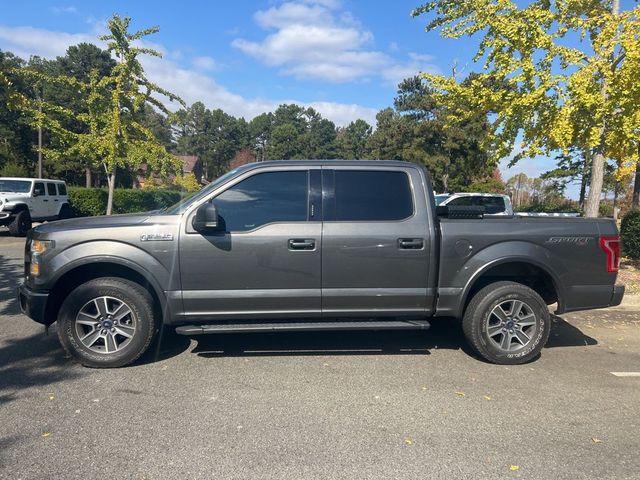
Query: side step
x=303, y=326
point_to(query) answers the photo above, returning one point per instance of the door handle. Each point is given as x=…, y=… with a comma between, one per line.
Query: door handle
x=411, y=243
x=55, y=199
x=45, y=200
x=302, y=244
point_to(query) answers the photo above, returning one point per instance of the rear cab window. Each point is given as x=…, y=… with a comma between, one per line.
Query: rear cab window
x=62, y=189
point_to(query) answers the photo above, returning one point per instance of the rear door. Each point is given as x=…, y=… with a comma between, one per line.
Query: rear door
x=375, y=243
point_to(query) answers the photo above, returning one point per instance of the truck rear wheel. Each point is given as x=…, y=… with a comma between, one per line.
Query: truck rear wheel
x=21, y=224
x=107, y=322
x=507, y=323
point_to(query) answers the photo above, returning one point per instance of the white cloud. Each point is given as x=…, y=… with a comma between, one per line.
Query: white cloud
x=205, y=63
x=311, y=40
x=64, y=9
x=191, y=85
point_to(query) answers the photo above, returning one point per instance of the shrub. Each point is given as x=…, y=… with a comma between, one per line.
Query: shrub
x=630, y=234
x=14, y=169
x=87, y=202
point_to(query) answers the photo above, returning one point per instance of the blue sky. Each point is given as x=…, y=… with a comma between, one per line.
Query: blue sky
x=343, y=57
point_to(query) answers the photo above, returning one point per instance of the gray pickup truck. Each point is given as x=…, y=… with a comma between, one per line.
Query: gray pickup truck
x=314, y=245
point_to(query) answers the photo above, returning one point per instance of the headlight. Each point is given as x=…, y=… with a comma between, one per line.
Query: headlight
x=41, y=246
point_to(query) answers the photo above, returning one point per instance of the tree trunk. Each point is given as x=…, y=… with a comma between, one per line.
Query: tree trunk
x=635, y=200
x=583, y=190
x=87, y=176
x=592, y=205
x=111, y=179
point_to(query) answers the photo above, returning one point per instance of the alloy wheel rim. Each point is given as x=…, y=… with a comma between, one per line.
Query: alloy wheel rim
x=105, y=324
x=511, y=325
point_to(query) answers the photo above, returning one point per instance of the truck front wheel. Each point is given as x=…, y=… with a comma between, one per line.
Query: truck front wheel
x=507, y=323
x=107, y=322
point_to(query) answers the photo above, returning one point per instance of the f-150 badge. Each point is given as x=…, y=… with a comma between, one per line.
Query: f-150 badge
x=156, y=237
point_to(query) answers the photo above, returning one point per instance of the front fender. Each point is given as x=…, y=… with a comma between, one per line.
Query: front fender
x=113, y=252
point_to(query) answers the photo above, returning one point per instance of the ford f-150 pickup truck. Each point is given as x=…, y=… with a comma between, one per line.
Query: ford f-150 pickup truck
x=314, y=245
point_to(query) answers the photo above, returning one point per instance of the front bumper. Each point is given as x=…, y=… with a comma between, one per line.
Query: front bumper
x=33, y=304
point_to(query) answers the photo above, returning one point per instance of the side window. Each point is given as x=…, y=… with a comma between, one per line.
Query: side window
x=62, y=189
x=493, y=205
x=51, y=189
x=38, y=188
x=264, y=198
x=465, y=201
x=375, y=195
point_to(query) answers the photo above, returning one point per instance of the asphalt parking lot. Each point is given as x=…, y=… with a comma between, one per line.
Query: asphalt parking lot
x=320, y=405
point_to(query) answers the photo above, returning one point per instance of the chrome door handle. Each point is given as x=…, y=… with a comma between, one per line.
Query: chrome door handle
x=302, y=244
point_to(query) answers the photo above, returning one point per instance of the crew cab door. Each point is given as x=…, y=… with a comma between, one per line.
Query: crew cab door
x=39, y=207
x=264, y=261
x=376, y=243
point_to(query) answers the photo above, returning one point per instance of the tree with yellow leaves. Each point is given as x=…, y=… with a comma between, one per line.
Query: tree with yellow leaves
x=556, y=74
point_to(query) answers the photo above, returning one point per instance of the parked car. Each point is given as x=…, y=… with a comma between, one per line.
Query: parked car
x=314, y=245
x=493, y=203
x=23, y=200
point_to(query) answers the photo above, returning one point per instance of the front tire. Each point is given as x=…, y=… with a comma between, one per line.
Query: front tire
x=507, y=323
x=107, y=322
x=21, y=224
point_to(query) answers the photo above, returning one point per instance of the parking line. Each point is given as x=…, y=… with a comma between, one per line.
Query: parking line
x=626, y=374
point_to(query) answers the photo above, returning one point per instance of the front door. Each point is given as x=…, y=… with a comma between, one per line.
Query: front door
x=375, y=243
x=265, y=259
x=39, y=201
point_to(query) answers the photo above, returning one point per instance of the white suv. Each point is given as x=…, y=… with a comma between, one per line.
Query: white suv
x=25, y=199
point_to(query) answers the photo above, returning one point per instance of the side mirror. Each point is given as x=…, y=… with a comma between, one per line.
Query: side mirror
x=206, y=217
x=35, y=194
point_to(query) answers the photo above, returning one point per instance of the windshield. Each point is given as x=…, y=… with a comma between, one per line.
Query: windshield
x=183, y=204
x=441, y=198
x=17, y=186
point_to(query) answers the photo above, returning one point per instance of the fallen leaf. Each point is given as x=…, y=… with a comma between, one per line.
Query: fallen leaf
x=487, y=397
x=52, y=396
x=513, y=468
x=424, y=388
x=46, y=434
x=460, y=394
x=596, y=440
x=408, y=441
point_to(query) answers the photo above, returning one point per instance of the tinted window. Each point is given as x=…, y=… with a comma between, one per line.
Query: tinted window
x=38, y=188
x=264, y=198
x=17, y=186
x=465, y=201
x=372, y=195
x=51, y=189
x=493, y=205
x=62, y=189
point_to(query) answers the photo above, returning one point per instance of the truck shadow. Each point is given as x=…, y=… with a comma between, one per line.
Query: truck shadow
x=444, y=333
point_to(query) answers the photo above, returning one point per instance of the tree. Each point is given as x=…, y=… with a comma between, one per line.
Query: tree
x=117, y=138
x=491, y=184
x=558, y=74
x=260, y=133
x=351, y=141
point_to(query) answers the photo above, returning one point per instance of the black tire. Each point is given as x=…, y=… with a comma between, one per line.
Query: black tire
x=141, y=323
x=500, y=336
x=65, y=212
x=21, y=224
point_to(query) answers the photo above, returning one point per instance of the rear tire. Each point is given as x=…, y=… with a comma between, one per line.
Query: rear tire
x=21, y=224
x=107, y=322
x=507, y=323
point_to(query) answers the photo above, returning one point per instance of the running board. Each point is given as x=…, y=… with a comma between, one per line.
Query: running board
x=303, y=326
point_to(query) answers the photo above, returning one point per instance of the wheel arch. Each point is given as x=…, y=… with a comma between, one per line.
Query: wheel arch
x=78, y=273
x=524, y=270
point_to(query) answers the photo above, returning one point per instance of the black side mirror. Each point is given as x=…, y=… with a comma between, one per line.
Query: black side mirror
x=206, y=217
x=35, y=193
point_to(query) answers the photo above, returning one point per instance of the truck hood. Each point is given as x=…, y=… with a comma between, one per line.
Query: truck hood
x=112, y=221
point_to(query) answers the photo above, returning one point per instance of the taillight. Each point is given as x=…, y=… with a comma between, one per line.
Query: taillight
x=611, y=246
